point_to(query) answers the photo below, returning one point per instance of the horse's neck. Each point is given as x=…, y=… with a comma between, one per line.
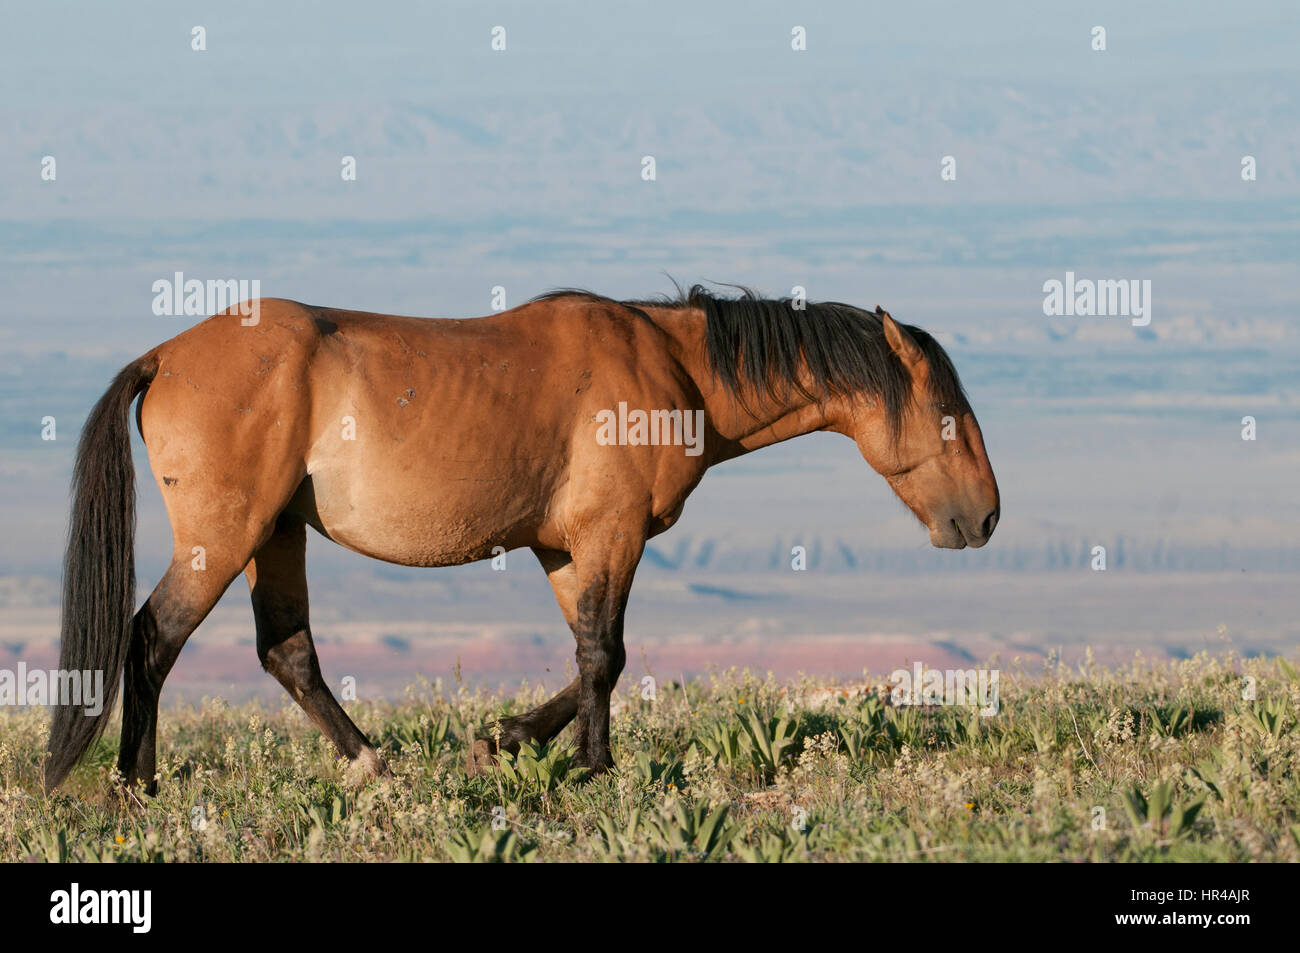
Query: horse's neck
x=760, y=422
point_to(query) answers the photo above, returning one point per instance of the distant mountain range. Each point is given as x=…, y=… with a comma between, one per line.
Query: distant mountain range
x=579, y=158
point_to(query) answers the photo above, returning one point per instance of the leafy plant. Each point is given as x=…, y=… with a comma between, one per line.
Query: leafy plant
x=324, y=814
x=1271, y=718
x=724, y=742
x=782, y=848
x=488, y=846
x=427, y=735
x=904, y=727
x=1171, y=722
x=664, y=773
x=1159, y=811
x=856, y=740
x=699, y=832
x=536, y=769
x=769, y=741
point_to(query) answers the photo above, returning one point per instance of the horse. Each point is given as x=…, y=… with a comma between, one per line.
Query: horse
x=438, y=442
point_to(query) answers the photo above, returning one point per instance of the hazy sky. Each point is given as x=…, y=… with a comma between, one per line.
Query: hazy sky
x=327, y=52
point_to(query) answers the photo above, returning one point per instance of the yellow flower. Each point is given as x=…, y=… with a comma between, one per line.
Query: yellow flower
x=120, y=839
x=970, y=805
x=740, y=701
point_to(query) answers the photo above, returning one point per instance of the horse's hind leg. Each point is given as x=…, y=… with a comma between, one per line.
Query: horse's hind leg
x=277, y=576
x=181, y=600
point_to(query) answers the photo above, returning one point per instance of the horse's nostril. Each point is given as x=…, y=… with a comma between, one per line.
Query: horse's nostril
x=989, y=523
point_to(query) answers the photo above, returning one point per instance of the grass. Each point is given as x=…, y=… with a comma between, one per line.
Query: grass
x=1148, y=762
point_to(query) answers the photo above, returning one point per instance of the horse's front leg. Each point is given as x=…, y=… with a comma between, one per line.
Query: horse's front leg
x=605, y=570
x=591, y=586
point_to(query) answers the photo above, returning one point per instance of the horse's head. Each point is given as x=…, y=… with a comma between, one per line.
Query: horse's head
x=932, y=452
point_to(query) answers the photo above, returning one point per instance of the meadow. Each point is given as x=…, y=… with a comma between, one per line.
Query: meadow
x=1188, y=760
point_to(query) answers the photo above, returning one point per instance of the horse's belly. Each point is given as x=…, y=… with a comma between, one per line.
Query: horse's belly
x=416, y=521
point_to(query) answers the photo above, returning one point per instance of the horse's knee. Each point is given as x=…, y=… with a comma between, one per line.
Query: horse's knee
x=291, y=656
x=603, y=665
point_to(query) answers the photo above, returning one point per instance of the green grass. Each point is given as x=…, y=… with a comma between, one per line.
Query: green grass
x=1149, y=762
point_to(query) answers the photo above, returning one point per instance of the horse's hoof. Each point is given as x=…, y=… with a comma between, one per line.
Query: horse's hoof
x=130, y=797
x=585, y=771
x=365, y=768
x=482, y=757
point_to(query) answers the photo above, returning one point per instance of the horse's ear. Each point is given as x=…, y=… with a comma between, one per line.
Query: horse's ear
x=900, y=341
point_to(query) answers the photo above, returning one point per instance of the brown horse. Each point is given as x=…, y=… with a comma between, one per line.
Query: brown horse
x=574, y=425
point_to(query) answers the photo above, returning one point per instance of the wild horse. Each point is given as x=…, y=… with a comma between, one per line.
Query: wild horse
x=432, y=442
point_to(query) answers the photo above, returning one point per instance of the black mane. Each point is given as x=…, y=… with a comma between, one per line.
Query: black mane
x=758, y=346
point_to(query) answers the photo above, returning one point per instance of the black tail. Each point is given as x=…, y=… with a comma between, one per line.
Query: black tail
x=99, y=567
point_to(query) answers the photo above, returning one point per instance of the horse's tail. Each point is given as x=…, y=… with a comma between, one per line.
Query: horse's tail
x=99, y=567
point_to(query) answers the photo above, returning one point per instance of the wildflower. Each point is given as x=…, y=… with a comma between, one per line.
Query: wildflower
x=119, y=840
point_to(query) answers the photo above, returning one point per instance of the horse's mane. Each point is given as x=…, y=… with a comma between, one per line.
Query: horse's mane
x=758, y=346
